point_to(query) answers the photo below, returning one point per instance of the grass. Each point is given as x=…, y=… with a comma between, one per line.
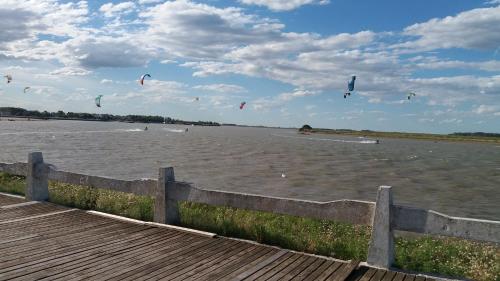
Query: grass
x=446, y=256
x=402, y=135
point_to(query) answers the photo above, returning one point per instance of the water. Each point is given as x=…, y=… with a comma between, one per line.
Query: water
x=459, y=179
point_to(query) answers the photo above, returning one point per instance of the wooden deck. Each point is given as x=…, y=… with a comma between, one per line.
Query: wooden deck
x=42, y=241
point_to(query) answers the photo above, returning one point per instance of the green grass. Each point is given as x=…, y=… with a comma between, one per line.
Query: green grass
x=447, y=256
x=402, y=135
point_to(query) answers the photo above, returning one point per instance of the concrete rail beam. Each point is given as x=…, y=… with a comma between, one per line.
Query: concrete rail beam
x=431, y=222
x=350, y=211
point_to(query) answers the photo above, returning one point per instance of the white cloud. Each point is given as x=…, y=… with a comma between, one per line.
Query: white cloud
x=436, y=63
x=492, y=2
x=221, y=88
x=482, y=109
x=473, y=29
x=297, y=94
x=145, y=2
x=70, y=71
x=186, y=29
x=113, y=10
x=283, y=5
x=451, y=120
x=106, y=81
x=426, y=120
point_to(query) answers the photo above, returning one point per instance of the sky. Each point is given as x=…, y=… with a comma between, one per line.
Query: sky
x=289, y=60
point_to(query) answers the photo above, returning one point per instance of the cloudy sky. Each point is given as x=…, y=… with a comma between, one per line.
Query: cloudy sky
x=288, y=59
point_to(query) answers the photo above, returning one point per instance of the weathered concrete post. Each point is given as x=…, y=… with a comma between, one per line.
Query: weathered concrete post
x=381, y=250
x=37, y=178
x=166, y=209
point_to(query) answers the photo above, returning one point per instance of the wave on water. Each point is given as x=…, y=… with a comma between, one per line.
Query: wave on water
x=68, y=132
x=131, y=130
x=175, y=130
x=325, y=139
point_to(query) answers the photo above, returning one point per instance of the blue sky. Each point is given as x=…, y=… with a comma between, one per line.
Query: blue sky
x=288, y=59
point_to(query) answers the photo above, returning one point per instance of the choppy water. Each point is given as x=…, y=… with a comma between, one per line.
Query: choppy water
x=460, y=179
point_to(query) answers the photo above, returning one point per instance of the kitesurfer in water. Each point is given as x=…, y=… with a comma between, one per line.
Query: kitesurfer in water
x=145, y=129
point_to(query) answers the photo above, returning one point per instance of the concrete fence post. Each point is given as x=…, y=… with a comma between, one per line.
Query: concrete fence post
x=166, y=209
x=381, y=250
x=37, y=178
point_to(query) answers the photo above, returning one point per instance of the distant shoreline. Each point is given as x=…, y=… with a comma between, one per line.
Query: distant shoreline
x=457, y=137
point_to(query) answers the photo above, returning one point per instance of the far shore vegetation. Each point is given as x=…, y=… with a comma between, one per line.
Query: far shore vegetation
x=459, y=136
x=444, y=256
x=15, y=112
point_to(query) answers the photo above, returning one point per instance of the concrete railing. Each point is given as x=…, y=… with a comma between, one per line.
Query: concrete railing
x=382, y=215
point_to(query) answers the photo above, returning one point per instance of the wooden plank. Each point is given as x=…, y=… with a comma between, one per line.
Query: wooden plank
x=17, y=205
x=116, y=260
x=231, y=273
x=389, y=276
x=45, y=237
x=58, y=266
x=260, y=265
x=18, y=239
x=26, y=258
x=36, y=217
x=409, y=277
x=368, y=274
x=44, y=240
x=329, y=271
x=399, y=276
x=298, y=269
x=61, y=229
x=87, y=264
x=310, y=269
x=184, y=244
x=280, y=267
x=188, y=272
x=224, y=261
x=6, y=200
x=344, y=272
x=36, y=222
x=165, y=262
x=290, y=267
x=67, y=246
x=378, y=275
x=97, y=248
x=235, y=264
x=420, y=278
x=318, y=271
x=26, y=262
x=221, y=261
x=67, y=220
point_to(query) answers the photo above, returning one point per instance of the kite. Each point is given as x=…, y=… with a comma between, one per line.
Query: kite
x=142, y=78
x=8, y=77
x=98, y=100
x=411, y=94
x=350, y=86
x=26, y=89
x=243, y=104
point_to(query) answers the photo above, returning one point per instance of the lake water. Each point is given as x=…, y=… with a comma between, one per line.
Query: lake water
x=459, y=179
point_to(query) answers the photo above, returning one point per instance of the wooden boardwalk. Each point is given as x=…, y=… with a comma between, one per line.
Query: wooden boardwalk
x=43, y=241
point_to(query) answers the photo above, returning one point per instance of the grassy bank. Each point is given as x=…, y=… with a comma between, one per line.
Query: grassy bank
x=451, y=257
x=418, y=136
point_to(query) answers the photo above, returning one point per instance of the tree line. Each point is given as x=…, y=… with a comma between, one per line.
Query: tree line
x=21, y=112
